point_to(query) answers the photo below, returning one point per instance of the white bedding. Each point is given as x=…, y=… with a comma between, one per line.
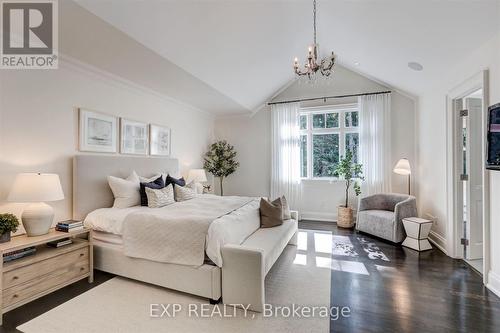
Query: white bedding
x=231, y=228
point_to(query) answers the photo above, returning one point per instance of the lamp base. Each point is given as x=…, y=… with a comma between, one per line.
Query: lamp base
x=37, y=219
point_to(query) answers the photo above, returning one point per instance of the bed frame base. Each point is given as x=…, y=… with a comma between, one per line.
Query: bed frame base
x=204, y=281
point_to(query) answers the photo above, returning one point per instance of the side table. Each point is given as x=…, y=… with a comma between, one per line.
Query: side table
x=417, y=231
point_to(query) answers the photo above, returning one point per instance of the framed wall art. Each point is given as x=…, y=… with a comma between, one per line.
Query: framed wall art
x=97, y=131
x=134, y=137
x=160, y=138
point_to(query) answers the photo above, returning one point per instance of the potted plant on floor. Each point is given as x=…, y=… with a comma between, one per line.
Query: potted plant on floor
x=220, y=160
x=8, y=224
x=350, y=172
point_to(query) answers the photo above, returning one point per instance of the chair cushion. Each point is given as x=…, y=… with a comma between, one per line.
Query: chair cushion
x=379, y=223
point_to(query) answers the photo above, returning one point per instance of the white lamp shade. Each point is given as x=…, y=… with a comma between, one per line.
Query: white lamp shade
x=197, y=175
x=36, y=187
x=403, y=167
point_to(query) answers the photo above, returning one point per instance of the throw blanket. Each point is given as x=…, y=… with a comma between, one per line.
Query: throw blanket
x=176, y=234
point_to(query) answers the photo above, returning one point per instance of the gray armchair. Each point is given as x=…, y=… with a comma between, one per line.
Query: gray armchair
x=382, y=215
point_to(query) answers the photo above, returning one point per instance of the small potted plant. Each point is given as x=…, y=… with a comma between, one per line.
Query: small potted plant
x=8, y=224
x=350, y=172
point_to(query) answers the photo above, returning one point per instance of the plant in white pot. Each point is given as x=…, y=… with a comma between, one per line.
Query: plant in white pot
x=220, y=161
x=350, y=172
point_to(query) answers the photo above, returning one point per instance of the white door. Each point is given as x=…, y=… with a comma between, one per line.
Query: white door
x=474, y=184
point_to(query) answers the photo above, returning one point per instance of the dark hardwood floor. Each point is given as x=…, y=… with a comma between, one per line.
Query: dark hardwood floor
x=394, y=289
x=388, y=288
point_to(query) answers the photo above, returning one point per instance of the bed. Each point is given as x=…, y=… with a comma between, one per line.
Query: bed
x=231, y=252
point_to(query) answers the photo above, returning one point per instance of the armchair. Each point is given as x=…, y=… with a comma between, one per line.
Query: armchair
x=382, y=215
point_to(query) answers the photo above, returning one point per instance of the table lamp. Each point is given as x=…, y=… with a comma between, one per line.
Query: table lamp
x=403, y=168
x=36, y=188
x=198, y=176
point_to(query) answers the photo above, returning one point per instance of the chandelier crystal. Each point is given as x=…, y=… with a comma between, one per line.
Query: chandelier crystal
x=312, y=65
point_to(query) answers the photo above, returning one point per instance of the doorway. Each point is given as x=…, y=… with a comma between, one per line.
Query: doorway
x=468, y=111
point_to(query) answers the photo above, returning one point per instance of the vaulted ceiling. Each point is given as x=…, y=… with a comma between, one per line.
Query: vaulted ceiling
x=244, y=49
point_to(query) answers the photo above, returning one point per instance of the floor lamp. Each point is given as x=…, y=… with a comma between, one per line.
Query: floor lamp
x=403, y=168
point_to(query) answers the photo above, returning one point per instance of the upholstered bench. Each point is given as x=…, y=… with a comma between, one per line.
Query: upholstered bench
x=245, y=266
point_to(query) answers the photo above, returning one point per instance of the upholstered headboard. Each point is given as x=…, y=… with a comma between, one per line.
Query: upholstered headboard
x=90, y=172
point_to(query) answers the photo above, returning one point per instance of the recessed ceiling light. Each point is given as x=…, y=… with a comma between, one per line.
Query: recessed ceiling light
x=415, y=66
x=356, y=63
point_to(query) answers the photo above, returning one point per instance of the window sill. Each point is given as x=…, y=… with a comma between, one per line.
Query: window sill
x=322, y=180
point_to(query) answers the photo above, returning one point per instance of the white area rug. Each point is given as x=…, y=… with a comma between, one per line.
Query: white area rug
x=123, y=305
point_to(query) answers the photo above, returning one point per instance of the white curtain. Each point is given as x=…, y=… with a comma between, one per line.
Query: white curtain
x=375, y=142
x=285, y=151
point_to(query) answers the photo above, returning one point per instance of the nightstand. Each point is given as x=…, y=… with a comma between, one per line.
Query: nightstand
x=49, y=269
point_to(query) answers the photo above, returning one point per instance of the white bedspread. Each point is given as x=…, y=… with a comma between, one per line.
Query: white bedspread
x=181, y=233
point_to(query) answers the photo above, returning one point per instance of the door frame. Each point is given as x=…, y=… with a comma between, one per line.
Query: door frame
x=455, y=231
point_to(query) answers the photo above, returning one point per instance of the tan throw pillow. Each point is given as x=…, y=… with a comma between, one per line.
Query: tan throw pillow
x=286, y=209
x=183, y=193
x=271, y=213
x=161, y=197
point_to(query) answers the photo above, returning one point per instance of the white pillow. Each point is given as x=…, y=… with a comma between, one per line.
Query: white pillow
x=161, y=197
x=125, y=191
x=183, y=193
x=149, y=180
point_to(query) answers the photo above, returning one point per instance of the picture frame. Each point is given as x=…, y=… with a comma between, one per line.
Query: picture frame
x=134, y=137
x=160, y=140
x=98, y=132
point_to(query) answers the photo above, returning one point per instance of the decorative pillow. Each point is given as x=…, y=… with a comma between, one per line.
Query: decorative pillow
x=155, y=184
x=125, y=191
x=160, y=198
x=149, y=180
x=183, y=193
x=286, y=209
x=174, y=181
x=271, y=213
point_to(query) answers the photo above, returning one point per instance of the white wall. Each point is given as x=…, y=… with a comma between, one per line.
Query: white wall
x=432, y=151
x=38, y=122
x=251, y=137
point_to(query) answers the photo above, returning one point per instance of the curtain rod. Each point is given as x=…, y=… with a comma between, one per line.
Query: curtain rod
x=329, y=97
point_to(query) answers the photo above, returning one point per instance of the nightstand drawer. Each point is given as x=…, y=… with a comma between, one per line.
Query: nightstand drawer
x=57, y=277
x=48, y=266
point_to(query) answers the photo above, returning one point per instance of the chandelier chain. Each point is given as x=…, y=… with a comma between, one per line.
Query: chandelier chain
x=314, y=20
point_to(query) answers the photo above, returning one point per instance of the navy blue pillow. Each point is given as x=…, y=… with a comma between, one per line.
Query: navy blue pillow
x=155, y=184
x=174, y=181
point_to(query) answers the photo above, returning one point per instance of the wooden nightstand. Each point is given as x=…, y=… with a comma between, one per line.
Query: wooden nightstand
x=49, y=269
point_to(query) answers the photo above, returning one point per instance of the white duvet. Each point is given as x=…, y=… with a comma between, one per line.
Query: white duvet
x=155, y=233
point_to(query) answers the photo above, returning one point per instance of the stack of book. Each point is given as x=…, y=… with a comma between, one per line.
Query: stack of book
x=69, y=226
x=9, y=256
x=60, y=242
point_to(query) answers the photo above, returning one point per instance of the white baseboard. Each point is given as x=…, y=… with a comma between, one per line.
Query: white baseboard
x=494, y=282
x=318, y=216
x=438, y=241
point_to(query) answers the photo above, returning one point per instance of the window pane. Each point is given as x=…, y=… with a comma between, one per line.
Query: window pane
x=332, y=120
x=352, y=144
x=303, y=156
x=319, y=120
x=303, y=122
x=325, y=154
x=351, y=119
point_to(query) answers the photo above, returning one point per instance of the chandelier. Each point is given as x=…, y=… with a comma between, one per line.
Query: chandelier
x=312, y=65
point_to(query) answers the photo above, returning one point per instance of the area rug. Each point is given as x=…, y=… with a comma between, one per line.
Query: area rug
x=296, y=282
